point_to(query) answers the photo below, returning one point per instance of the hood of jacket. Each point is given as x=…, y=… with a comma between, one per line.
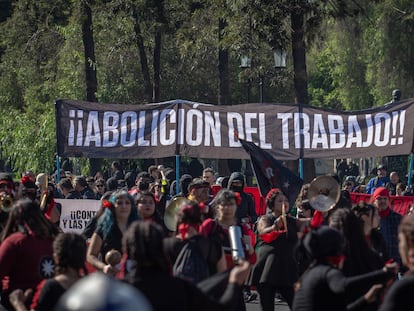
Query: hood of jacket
x=235, y=176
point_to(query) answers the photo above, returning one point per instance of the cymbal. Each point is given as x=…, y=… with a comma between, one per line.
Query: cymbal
x=171, y=212
x=323, y=193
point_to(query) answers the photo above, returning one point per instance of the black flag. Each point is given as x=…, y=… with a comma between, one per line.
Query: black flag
x=271, y=173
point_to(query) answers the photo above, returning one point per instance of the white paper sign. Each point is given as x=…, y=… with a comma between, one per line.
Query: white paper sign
x=76, y=214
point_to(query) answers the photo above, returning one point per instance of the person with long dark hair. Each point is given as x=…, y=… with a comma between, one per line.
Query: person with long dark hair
x=151, y=275
x=370, y=219
x=359, y=257
x=26, y=248
x=115, y=220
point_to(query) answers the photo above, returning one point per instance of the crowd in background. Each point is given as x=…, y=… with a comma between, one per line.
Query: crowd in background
x=173, y=242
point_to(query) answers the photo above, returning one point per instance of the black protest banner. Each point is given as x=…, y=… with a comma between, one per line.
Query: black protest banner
x=96, y=130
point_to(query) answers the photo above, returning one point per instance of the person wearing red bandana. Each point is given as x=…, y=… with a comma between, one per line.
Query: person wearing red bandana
x=324, y=287
x=389, y=223
x=276, y=269
x=188, y=226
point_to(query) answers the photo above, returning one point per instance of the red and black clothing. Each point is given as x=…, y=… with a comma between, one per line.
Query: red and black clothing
x=276, y=268
x=25, y=260
x=47, y=295
x=211, y=228
x=210, y=250
x=324, y=288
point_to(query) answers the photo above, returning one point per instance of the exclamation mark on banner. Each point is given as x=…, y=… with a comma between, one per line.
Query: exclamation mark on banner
x=79, y=136
x=402, y=123
x=394, y=127
x=71, y=136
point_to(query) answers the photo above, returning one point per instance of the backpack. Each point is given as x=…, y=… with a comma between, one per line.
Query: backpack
x=190, y=264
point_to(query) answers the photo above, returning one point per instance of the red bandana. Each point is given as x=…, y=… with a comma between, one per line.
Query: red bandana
x=384, y=213
x=184, y=228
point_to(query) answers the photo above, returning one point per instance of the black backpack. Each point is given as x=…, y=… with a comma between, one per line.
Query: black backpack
x=190, y=264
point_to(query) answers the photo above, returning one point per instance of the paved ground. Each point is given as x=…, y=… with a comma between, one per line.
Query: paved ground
x=255, y=305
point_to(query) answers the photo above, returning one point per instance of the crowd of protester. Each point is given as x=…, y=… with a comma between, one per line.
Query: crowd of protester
x=172, y=241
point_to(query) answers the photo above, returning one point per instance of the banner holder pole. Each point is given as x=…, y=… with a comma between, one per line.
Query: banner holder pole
x=409, y=177
x=300, y=107
x=177, y=173
x=58, y=168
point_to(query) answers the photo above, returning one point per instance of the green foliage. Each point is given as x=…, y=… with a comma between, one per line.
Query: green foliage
x=28, y=140
x=364, y=55
x=357, y=53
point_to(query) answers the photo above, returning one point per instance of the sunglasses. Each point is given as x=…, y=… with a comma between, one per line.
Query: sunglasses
x=3, y=186
x=100, y=186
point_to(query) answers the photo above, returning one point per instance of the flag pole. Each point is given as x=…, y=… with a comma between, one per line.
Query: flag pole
x=409, y=177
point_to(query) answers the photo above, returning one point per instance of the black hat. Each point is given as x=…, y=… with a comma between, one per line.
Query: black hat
x=324, y=241
x=381, y=167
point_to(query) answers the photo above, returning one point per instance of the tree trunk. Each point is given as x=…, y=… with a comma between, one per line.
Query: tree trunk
x=160, y=20
x=224, y=93
x=223, y=66
x=157, y=67
x=142, y=56
x=299, y=58
x=300, y=78
x=91, y=81
x=89, y=50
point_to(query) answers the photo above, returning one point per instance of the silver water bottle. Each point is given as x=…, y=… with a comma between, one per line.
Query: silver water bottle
x=236, y=243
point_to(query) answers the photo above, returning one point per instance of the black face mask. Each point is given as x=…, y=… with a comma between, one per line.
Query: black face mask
x=143, y=185
x=236, y=188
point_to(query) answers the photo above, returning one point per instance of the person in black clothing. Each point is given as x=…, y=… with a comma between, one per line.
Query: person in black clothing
x=150, y=274
x=68, y=192
x=341, y=170
x=359, y=258
x=117, y=171
x=323, y=287
x=394, y=181
x=399, y=296
x=81, y=185
x=370, y=220
x=276, y=268
x=246, y=210
x=188, y=228
x=195, y=168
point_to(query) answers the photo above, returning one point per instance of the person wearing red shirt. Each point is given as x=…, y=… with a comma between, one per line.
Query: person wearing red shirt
x=26, y=248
